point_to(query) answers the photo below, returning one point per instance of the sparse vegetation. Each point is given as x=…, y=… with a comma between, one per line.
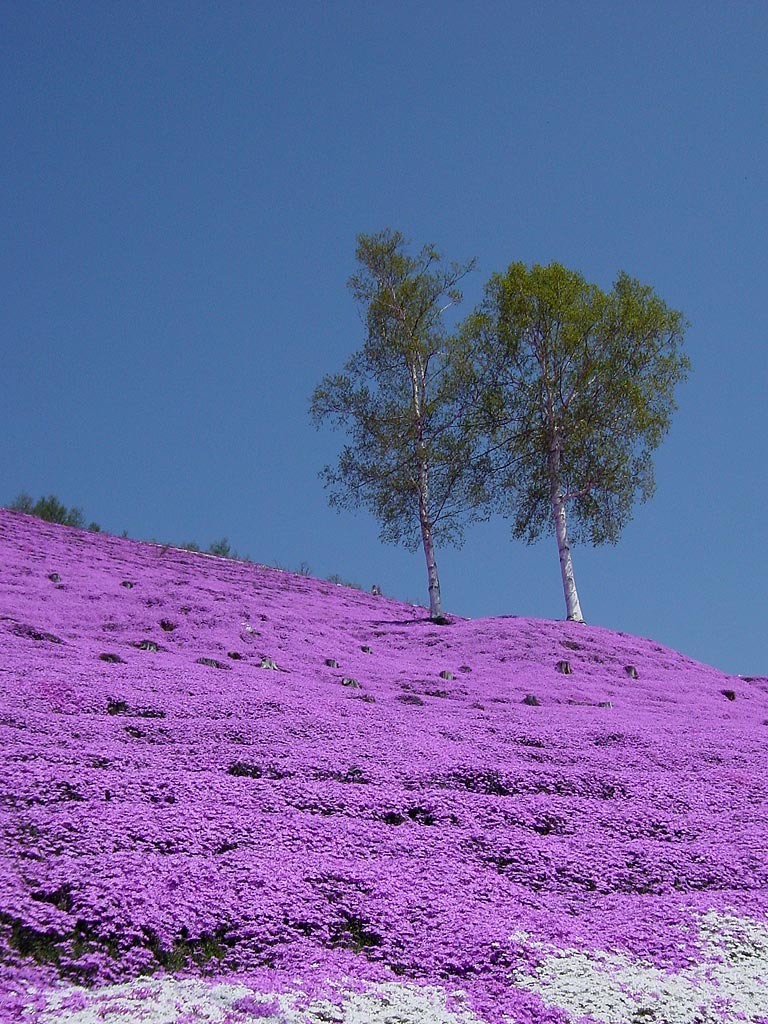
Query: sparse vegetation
x=52, y=510
x=341, y=582
x=221, y=548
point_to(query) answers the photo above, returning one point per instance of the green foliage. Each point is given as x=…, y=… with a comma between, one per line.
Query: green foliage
x=51, y=510
x=411, y=453
x=576, y=387
x=23, y=503
x=221, y=548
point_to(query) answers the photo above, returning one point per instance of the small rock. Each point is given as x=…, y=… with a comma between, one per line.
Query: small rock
x=210, y=662
x=376, y=590
x=54, y=577
x=631, y=671
x=113, y=659
x=368, y=698
x=167, y=625
x=149, y=713
x=564, y=667
x=605, y=704
x=147, y=645
x=331, y=663
x=30, y=633
x=464, y=668
x=245, y=771
x=729, y=694
x=445, y=674
x=234, y=655
x=225, y=848
x=366, y=650
x=532, y=701
x=127, y=584
x=349, y=681
x=269, y=663
x=421, y=815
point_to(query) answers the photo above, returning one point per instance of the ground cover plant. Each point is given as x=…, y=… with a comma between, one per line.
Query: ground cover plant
x=230, y=793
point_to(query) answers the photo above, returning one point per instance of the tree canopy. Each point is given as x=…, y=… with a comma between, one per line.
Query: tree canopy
x=412, y=452
x=576, y=386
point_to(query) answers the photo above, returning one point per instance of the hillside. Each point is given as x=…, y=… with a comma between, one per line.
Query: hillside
x=229, y=793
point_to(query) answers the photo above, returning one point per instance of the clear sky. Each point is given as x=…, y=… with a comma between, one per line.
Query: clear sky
x=181, y=185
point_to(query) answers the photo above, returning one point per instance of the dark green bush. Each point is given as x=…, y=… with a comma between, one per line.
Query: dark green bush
x=221, y=548
x=51, y=510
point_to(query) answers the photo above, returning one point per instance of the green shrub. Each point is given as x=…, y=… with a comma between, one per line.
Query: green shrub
x=221, y=548
x=51, y=510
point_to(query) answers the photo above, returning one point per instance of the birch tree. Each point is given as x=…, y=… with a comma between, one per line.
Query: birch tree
x=578, y=392
x=412, y=456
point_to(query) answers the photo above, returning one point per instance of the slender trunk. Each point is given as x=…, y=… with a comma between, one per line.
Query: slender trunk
x=435, y=606
x=572, y=606
x=418, y=382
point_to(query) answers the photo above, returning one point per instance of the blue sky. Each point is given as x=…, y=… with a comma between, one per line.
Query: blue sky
x=181, y=187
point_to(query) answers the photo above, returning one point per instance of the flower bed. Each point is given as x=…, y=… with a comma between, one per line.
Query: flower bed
x=198, y=808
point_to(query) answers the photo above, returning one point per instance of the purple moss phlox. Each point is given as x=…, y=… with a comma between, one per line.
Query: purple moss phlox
x=157, y=815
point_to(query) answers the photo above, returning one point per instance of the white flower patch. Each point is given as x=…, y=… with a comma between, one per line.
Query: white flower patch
x=390, y=1003
x=167, y=1000
x=729, y=986
x=144, y=1001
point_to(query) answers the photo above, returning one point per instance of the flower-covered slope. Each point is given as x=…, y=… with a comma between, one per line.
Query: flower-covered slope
x=234, y=794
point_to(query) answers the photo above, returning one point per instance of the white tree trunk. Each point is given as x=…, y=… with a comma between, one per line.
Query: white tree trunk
x=433, y=580
x=572, y=606
x=435, y=605
x=418, y=381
